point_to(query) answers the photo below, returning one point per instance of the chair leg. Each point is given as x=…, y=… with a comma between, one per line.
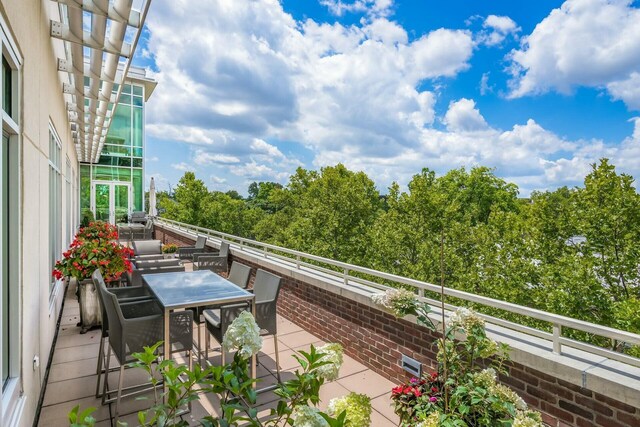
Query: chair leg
x=275, y=345
x=99, y=367
x=105, y=386
x=206, y=346
x=120, y=382
x=199, y=344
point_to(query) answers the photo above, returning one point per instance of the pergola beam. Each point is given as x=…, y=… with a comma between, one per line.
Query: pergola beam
x=63, y=32
x=133, y=20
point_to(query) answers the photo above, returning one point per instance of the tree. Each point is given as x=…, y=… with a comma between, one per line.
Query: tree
x=610, y=219
x=327, y=213
x=259, y=193
x=189, y=202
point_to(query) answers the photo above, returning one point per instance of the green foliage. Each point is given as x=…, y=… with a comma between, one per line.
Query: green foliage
x=234, y=385
x=81, y=419
x=87, y=218
x=572, y=251
x=327, y=213
x=463, y=392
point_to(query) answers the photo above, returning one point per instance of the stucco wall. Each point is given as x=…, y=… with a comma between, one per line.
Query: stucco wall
x=41, y=103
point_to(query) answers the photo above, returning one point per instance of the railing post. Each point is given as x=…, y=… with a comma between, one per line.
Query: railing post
x=346, y=278
x=557, y=345
x=421, y=292
x=242, y=245
x=264, y=250
x=298, y=262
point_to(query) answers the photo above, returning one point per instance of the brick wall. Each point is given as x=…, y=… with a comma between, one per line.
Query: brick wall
x=377, y=339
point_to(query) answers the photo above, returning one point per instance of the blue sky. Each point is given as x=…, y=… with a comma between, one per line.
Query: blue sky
x=251, y=89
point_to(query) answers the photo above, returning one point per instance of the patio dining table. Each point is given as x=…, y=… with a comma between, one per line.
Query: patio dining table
x=182, y=290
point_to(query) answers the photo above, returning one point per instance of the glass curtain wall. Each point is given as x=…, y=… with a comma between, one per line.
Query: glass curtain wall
x=121, y=157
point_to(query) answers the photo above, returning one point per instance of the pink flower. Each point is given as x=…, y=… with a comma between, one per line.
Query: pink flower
x=433, y=399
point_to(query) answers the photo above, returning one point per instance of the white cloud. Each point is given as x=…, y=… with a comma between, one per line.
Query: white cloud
x=245, y=72
x=593, y=43
x=202, y=157
x=217, y=180
x=527, y=154
x=244, y=75
x=258, y=172
x=463, y=116
x=485, y=87
x=260, y=146
x=372, y=7
x=151, y=159
x=182, y=166
x=496, y=29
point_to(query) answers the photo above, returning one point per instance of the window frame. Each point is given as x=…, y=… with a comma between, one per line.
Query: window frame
x=55, y=203
x=10, y=392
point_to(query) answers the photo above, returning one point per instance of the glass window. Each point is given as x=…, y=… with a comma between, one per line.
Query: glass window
x=137, y=189
x=137, y=101
x=115, y=150
x=85, y=187
x=137, y=90
x=137, y=127
x=114, y=161
x=125, y=99
x=120, y=129
x=4, y=254
x=126, y=89
x=55, y=202
x=111, y=173
x=7, y=87
x=137, y=152
x=136, y=163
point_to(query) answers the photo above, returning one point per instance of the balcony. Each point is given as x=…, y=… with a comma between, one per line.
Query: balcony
x=321, y=300
x=72, y=375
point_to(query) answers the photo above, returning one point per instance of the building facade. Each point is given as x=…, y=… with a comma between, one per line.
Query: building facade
x=45, y=133
x=114, y=187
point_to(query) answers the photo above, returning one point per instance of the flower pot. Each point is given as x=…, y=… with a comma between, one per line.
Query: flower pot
x=90, y=310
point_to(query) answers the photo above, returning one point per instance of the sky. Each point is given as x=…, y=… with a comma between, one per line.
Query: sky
x=250, y=90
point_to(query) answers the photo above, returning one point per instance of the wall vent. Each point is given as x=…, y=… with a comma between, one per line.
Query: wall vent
x=411, y=365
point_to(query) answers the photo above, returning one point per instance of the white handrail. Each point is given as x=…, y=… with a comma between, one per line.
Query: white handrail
x=343, y=271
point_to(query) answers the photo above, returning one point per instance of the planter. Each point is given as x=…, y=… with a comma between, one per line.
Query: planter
x=90, y=310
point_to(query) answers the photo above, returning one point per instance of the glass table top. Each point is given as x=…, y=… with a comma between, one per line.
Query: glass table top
x=193, y=288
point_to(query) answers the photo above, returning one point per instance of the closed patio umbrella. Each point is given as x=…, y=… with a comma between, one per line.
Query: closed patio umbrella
x=152, y=199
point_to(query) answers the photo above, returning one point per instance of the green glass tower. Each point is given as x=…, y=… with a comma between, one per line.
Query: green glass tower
x=114, y=187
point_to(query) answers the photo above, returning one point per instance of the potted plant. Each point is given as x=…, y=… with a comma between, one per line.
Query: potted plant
x=94, y=247
x=169, y=248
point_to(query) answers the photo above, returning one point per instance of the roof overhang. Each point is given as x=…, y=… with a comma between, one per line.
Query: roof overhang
x=100, y=38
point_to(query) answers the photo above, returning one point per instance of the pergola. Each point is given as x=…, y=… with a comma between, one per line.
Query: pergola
x=100, y=37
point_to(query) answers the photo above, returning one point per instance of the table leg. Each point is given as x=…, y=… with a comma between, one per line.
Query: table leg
x=167, y=346
x=254, y=359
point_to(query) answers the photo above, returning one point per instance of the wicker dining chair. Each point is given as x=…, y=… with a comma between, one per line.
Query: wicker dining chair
x=131, y=327
x=266, y=288
x=217, y=264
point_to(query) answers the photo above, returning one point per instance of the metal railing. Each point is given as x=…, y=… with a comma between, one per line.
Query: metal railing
x=344, y=270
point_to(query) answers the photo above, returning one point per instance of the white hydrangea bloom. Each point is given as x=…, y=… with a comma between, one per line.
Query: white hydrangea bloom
x=527, y=419
x=357, y=407
x=333, y=354
x=243, y=335
x=398, y=302
x=307, y=416
x=433, y=420
x=465, y=319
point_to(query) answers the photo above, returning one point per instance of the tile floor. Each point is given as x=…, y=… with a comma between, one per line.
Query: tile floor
x=72, y=377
